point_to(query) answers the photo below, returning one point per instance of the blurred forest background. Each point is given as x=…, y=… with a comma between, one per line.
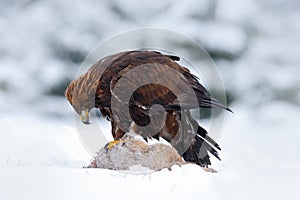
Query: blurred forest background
x=254, y=43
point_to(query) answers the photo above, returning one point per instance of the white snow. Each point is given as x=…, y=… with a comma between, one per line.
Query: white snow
x=61, y=183
x=44, y=159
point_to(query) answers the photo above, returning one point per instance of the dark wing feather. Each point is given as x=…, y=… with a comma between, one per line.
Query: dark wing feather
x=178, y=89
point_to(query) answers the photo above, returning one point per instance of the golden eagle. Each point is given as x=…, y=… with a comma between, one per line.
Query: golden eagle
x=127, y=86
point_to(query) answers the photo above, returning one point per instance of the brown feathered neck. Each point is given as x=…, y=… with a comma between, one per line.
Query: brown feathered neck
x=81, y=92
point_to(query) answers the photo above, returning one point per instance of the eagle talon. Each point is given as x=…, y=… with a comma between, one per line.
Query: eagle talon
x=112, y=144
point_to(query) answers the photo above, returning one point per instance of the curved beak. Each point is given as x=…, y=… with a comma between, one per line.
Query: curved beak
x=85, y=116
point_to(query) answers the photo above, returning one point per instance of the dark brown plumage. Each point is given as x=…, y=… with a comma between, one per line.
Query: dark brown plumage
x=126, y=86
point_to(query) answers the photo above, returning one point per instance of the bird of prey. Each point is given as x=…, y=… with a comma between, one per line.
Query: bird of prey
x=150, y=94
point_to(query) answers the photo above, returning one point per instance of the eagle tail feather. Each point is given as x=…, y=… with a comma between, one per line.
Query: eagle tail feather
x=200, y=146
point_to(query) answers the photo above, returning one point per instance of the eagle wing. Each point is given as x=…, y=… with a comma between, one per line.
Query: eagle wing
x=153, y=78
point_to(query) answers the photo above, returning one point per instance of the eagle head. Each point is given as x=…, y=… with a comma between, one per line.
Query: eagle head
x=82, y=98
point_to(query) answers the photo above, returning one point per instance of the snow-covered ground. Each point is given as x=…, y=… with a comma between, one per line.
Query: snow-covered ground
x=45, y=160
x=61, y=183
x=255, y=45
